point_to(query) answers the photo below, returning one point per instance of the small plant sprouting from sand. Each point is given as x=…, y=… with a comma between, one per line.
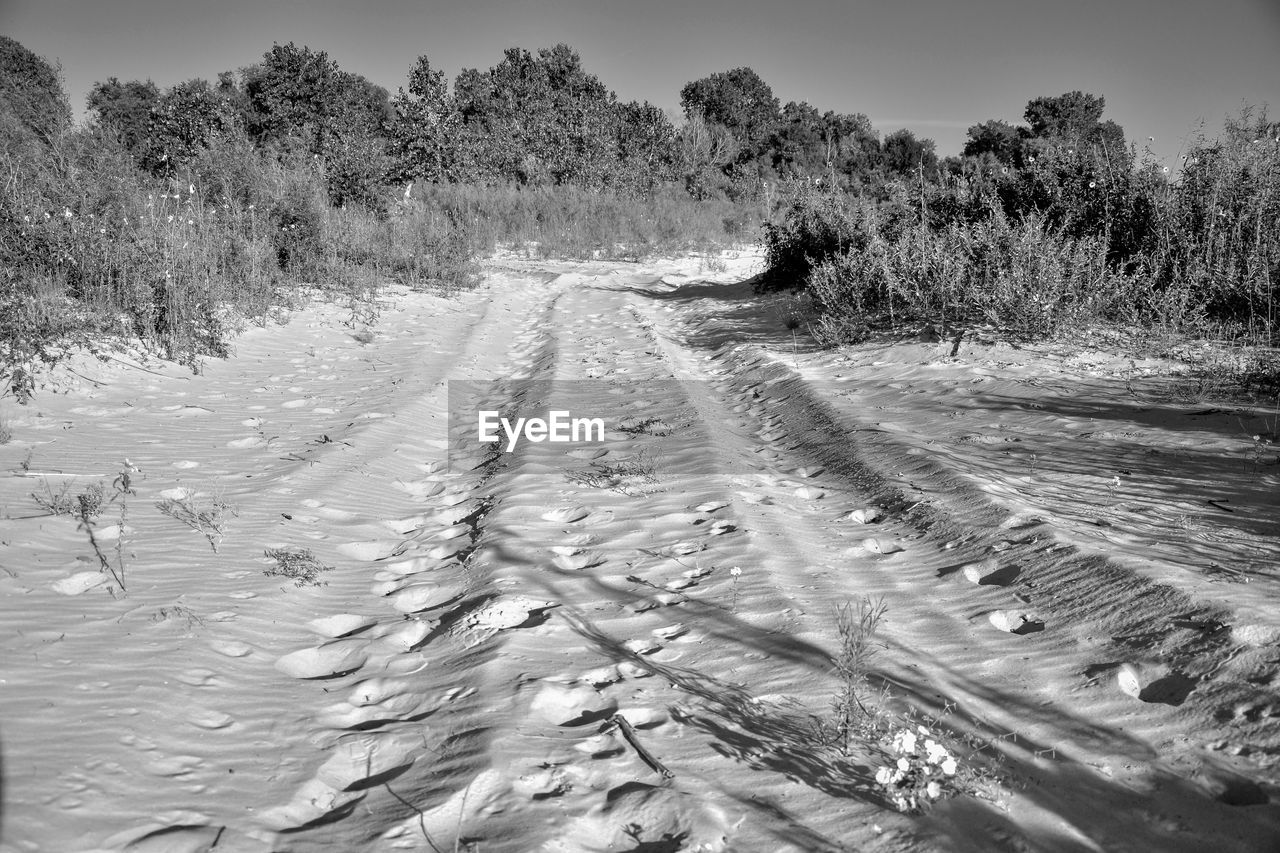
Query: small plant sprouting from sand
x=63, y=502
x=627, y=476
x=209, y=521
x=297, y=564
x=857, y=625
x=89, y=505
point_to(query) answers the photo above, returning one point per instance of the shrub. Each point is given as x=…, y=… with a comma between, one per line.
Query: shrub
x=813, y=228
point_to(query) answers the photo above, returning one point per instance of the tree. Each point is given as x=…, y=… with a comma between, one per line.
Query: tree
x=535, y=119
x=995, y=137
x=1074, y=117
x=704, y=150
x=184, y=120
x=905, y=155
x=125, y=108
x=842, y=148
x=298, y=96
x=646, y=147
x=33, y=105
x=424, y=125
x=738, y=100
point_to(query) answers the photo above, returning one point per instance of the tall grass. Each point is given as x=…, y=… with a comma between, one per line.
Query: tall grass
x=569, y=222
x=92, y=249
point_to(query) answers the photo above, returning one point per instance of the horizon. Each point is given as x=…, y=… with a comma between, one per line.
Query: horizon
x=1166, y=70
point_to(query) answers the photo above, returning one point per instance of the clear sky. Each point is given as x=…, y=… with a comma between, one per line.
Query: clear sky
x=933, y=66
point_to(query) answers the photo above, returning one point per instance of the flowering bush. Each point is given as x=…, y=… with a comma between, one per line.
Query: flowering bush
x=924, y=770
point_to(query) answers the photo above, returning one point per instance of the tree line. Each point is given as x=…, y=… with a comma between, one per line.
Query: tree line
x=534, y=119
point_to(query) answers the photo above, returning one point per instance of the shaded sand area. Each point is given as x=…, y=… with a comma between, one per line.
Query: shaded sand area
x=627, y=643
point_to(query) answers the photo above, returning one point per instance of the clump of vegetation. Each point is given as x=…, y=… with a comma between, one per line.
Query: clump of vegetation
x=88, y=505
x=628, y=476
x=207, y=519
x=1044, y=229
x=63, y=502
x=857, y=626
x=297, y=564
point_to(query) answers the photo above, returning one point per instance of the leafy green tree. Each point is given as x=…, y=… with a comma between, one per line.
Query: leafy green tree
x=841, y=148
x=906, y=156
x=535, y=119
x=424, y=125
x=33, y=105
x=1074, y=117
x=998, y=138
x=183, y=121
x=646, y=147
x=738, y=100
x=297, y=96
x=125, y=108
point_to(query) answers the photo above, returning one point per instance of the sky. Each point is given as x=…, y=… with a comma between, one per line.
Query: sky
x=1167, y=68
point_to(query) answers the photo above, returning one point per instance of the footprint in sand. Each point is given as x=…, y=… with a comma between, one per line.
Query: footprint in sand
x=206, y=718
x=407, y=635
x=197, y=677
x=373, y=550
x=445, y=550
x=313, y=801
x=566, y=514
x=601, y=676
x=881, y=546
x=452, y=532
x=1015, y=622
x=327, y=661
x=356, y=761
x=1154, y=684
x=670, y=632
x=644, y=718
x=230, y=648
x=404, y=526
x=340, y=624
x=423, y=596
x=604, y=745
x=988, y=573
x=247, y=441
x=865, y=515
x=579, y=560
x=642, y=646
x=80, y=582
x=420, y=488
x=570, y=705
x=186, y=463
x=401, y=569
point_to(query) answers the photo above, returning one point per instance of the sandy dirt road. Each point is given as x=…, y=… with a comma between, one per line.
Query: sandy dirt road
x=615, y=644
